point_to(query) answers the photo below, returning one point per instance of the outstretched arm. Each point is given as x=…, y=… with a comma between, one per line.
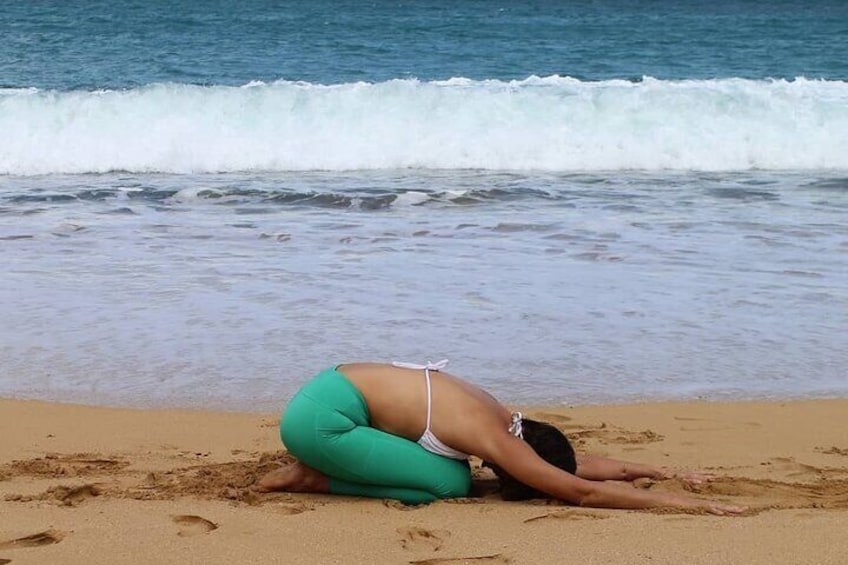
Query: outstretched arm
x=519, y=460
x=595, y=468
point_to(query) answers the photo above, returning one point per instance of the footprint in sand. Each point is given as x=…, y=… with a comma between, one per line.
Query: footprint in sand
x=191, y=525
x=46, y=537
x=494, y=558
x=412, y=537
x=293, y=508
x=66, y=496
x=74, y=496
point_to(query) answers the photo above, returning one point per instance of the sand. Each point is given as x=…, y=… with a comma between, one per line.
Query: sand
x=81, y=484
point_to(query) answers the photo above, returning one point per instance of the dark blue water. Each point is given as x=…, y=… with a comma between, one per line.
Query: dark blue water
x=88, y=45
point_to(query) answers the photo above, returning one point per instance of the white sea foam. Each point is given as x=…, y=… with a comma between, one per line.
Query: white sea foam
x=411, y=198
x=542, y=123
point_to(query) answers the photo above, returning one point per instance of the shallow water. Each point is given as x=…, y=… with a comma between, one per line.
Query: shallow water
x=229, y=290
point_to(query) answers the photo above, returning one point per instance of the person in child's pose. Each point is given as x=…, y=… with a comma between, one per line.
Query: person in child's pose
x=405, y=431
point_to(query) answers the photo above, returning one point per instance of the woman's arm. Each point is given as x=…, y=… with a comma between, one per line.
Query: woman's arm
x=519, y=460
x=595, y=468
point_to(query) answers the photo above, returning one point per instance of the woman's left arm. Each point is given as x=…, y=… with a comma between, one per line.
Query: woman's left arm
x=595, y=468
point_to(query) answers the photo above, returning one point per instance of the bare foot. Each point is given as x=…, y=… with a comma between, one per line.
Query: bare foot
x=296, y=477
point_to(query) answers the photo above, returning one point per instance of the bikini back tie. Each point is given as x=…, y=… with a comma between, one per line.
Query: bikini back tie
x=425, y=367
x=517, y=426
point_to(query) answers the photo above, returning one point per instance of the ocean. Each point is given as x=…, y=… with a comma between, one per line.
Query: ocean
x=204, y=203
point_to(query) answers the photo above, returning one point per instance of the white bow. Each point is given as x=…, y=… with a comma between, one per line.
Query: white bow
x=517, y=426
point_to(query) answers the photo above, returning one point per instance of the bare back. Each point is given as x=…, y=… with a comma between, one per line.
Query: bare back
x=462, y=415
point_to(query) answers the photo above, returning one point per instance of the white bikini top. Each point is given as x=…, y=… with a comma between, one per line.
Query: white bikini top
x=428, y=439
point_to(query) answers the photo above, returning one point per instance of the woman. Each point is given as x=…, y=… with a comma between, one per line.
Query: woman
x=405, y=431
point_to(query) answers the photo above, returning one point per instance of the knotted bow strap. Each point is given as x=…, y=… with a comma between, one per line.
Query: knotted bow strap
x=428, y=366
x=517, y=426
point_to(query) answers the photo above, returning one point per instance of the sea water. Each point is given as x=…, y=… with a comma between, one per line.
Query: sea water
x=202, y=204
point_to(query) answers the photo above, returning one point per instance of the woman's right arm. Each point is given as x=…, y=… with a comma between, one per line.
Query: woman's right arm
x=519, y=460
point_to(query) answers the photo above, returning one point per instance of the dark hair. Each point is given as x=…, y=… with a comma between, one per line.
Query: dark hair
x=551, y=445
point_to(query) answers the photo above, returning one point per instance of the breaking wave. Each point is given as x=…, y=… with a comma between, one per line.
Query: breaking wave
x=550, y=124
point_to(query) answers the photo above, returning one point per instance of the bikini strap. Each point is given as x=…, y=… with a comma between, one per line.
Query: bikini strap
x=427, y=368
x=429, y=400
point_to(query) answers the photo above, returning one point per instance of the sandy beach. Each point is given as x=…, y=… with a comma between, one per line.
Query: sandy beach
x=82, y=484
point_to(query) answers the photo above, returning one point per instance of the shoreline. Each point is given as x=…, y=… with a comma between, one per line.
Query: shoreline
x=173, y=485
x=276, y=407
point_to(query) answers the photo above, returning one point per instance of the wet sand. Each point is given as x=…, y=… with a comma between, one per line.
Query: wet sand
x=81, y=484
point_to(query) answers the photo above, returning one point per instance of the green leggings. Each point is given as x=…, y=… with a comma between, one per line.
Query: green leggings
x=326, y=426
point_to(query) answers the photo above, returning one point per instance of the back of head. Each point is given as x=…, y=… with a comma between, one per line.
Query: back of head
x=551, y=445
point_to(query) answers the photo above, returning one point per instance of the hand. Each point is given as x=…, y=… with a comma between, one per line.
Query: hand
x=688, y=477
x=709, y=506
